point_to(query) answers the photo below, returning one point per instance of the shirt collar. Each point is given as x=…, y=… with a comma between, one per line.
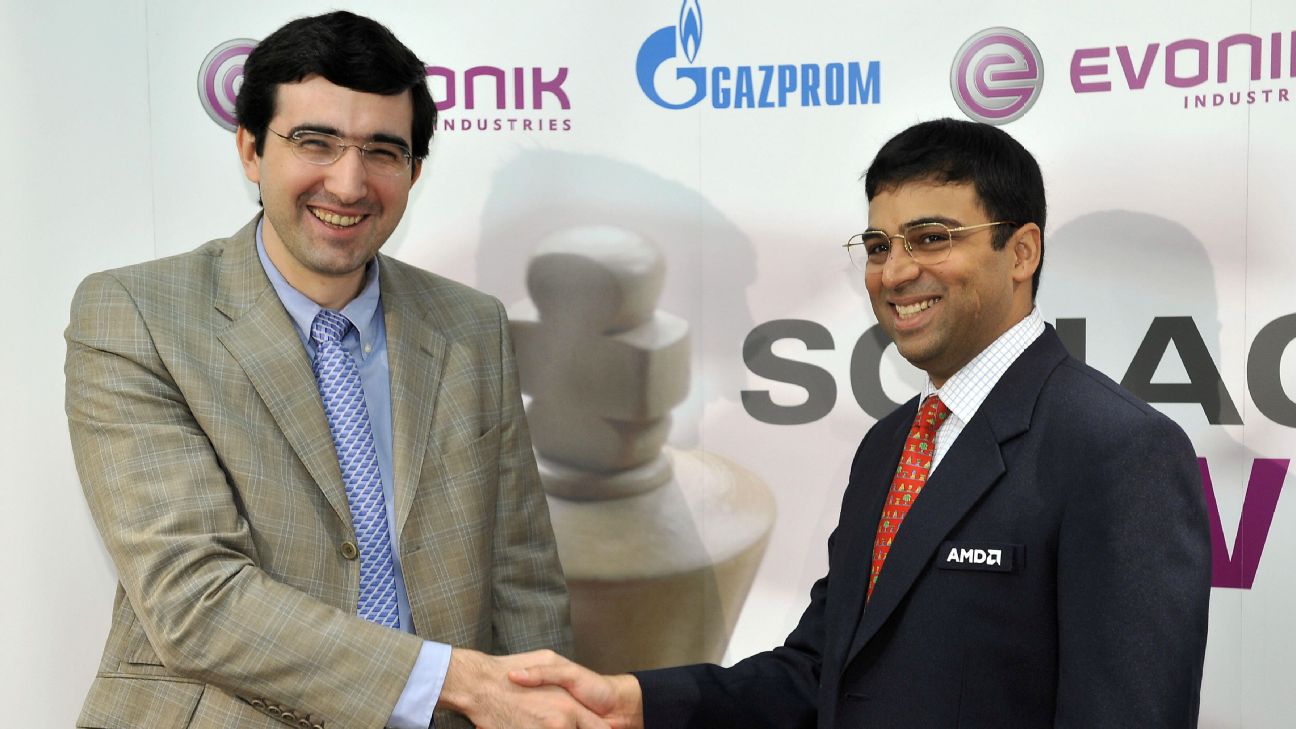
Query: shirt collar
x=964, y=392
x=362, y=311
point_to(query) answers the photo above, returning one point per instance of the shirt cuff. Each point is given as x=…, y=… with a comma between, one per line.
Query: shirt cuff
x=414, y=707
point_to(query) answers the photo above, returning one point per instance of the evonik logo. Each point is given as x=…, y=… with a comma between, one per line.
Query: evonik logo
x=754, y=86
x=996, y=75
x=220, y=76
x=515, y=99
x=480, y=98
x=1189, y=63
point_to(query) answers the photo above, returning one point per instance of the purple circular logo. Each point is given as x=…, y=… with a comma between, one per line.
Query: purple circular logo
x=219, y=78
x=996, y=75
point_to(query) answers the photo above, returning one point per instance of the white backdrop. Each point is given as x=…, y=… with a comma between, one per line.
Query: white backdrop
x=1159, y=212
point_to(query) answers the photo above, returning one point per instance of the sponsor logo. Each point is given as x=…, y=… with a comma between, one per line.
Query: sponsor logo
x=219, y=77
x=1239, y=60
x=481, y=98
x=667, y=75
x=975, y=556
x=996, y=75
x=495, y=99
x=978, y=556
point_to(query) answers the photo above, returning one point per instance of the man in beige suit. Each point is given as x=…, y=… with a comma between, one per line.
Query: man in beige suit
x=220, y=485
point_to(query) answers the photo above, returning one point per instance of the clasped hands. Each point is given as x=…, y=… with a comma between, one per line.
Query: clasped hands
x=538, y=690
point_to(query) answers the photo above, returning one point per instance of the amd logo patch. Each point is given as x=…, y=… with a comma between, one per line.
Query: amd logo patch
x=979, y=556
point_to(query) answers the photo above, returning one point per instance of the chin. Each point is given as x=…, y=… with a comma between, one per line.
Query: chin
x=337, y=268
x=916, y=356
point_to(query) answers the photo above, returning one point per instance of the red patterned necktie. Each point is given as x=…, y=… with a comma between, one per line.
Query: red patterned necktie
x=910, y=477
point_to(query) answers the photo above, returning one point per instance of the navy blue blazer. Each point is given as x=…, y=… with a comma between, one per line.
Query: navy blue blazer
x=1055, y=572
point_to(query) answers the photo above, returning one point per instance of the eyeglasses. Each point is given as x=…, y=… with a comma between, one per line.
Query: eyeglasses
x=927, y=243
x=318, y=148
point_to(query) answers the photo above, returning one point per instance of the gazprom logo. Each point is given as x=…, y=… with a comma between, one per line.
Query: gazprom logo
x=996, y=75
x=668, y=77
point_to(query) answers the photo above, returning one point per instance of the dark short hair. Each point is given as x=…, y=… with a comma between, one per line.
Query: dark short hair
x=347, y=49
x=1005, y=176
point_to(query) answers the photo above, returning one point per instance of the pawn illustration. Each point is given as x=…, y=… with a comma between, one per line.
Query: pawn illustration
x=659, y=546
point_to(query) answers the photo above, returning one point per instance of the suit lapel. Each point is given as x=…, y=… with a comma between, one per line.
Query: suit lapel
x=858, y=541
x=416, y=356
x=968, y=471
x=971, y=467
x=262, y=339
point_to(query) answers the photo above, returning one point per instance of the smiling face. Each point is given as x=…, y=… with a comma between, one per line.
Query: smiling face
x=940, y=316
x=323, y=223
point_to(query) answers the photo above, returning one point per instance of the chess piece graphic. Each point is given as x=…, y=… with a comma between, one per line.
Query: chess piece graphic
x=659, y=545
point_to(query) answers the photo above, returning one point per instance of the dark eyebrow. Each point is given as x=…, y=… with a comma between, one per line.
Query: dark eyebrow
x=317, y=128
x=390, y=139
x=326, y=129
x=947, y=222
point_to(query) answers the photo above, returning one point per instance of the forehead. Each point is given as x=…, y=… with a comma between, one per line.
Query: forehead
x=915, y=201
x=357, y=114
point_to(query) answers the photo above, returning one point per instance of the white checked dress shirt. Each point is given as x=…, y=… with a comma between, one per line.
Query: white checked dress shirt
x=968, y=388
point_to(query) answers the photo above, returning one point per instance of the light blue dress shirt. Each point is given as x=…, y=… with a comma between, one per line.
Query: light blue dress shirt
x=367, y=344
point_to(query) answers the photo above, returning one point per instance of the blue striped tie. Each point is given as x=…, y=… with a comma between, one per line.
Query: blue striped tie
x=348, y=421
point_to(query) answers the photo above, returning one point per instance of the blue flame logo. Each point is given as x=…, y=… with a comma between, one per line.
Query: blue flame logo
x=666, y=71
x=690, y=28
x=663, y=46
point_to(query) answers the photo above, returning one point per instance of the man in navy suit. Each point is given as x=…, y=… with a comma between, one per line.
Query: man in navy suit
x=1031, y=550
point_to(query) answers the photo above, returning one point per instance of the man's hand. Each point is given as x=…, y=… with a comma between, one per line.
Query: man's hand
x=618, y=699
x=476, y=687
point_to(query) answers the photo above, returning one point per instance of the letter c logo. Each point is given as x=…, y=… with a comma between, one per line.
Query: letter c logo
x=219, y=78
x=997, y=75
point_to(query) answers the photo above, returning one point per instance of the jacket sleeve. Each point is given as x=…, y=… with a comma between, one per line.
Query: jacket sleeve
x=530, y=598
x=776, y=689
x=1133, y=566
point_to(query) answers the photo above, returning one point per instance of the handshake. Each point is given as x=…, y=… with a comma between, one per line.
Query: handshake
x=538, y=690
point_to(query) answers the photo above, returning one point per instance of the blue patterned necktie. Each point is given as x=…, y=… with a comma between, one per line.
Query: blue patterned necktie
x=348, y=421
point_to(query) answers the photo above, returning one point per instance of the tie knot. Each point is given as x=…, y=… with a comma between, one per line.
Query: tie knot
x=932, y=414
x=329, y=326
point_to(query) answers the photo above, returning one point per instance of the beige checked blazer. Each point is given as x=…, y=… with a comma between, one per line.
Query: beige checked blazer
x=207, y=463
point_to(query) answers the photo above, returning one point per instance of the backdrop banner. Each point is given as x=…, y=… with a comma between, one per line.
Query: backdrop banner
x=706, y=156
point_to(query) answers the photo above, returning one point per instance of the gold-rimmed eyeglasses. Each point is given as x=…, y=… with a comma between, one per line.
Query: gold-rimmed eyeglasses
x=319, y=148
x=927, y=243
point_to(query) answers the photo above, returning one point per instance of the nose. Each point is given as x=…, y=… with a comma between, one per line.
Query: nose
x=347, y=178
x=899, y=268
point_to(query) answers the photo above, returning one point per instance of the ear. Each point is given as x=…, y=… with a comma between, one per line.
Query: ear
x=246, y=144
x=417, y=166
x=1026, y=246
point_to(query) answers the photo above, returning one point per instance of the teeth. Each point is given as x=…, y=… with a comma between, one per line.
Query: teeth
x=907, y=311
x=342, y=221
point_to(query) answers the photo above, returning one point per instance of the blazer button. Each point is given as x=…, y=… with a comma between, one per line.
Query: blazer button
x=349, y=550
